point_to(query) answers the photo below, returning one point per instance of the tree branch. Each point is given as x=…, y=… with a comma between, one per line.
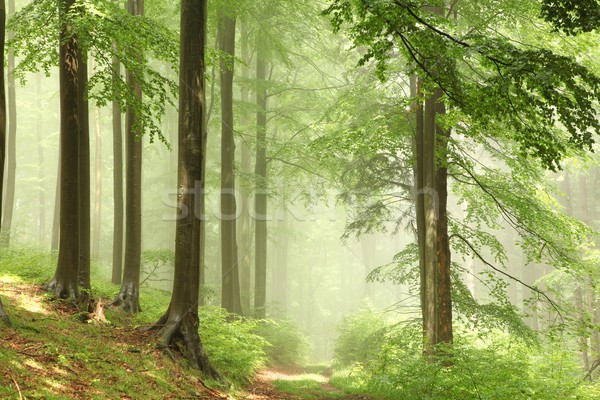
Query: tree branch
x=532, y=288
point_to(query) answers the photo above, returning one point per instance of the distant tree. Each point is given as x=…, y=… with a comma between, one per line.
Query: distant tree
x=244, y=226
x=128, y=297
x=180, y=322
x=260, y=196
x=3, y=314
x=117, y=266
x=230, y=287
x=65, y=281
x=11, y=156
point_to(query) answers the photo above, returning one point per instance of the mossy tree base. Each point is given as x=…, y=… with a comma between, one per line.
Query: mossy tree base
x=129, y=298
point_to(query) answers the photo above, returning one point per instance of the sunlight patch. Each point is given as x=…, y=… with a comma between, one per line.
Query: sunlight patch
x=33, y=364
x=280, y=376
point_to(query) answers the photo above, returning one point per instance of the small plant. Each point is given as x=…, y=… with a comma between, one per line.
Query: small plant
x=231, y=344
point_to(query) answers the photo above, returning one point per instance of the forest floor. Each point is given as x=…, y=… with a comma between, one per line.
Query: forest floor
x=51, y=354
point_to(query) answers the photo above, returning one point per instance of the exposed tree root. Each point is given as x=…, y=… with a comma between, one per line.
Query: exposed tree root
x=69, y=292
x=182, y=335
x=129, y=298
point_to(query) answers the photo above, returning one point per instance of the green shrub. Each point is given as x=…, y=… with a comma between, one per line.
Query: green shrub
x=360, y=338
x=288, y=346
x=231, y=344
x=498, y=368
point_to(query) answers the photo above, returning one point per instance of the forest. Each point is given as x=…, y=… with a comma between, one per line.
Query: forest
x=299, y=199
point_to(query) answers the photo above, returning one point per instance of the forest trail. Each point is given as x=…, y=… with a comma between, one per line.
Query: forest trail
x=295, y=385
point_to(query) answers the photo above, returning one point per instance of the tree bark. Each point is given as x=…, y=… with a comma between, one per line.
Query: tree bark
x=244, y=230
x=117, y=266
x=230, y=285
x=3, y=315
x=260, y=197
x=443, y=259
x=128, y=297
x=84, y=182
x=430, y=213
x=181, y=319
x=11, y=156
x=65, y=281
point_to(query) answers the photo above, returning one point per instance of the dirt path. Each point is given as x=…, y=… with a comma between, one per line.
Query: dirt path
x=302, y=386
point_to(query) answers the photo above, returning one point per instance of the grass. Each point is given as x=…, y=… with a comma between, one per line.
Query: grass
x=51, y=354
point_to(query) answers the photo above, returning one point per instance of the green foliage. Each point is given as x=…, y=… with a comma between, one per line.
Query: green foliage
x=231, y=344
x=104, y=30
x=502, y=86
x=495, y=368
x=287, y=345
x=572, y=16
x=360, y=338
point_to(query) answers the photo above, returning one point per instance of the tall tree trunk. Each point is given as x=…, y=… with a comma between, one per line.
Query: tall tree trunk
x=244, y=229
x=11, y=156
x=230, y=286
x=430, y=213
x=3, y=315
x=97, y=188
x=84, y=182
x=444, y=289
x=181, y=319
x=128, y=297
x=260, y=197
x=117, y=265
x=65, y=281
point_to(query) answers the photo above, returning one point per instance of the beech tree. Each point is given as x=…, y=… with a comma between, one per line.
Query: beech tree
x=128, y=296
x=230, y=281
x=180, y=323
x=3, y=314
x=511, y=100
x=65, y=282
x=11, y=156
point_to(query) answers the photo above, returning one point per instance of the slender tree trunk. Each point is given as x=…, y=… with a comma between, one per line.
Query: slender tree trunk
x=430, y=212
x=65, y=281
x=11, y=156
x=181, y=319
x=3, y=315
x=244, y=234
x=84, y=182
x=128, y=297
x=117, y=265
x=260, y=197
x=230, y=286
x=444, y=287
x=98, y=188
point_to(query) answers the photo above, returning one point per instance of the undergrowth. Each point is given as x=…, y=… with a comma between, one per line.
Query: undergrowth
x=494, y=366
x=237, y=347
